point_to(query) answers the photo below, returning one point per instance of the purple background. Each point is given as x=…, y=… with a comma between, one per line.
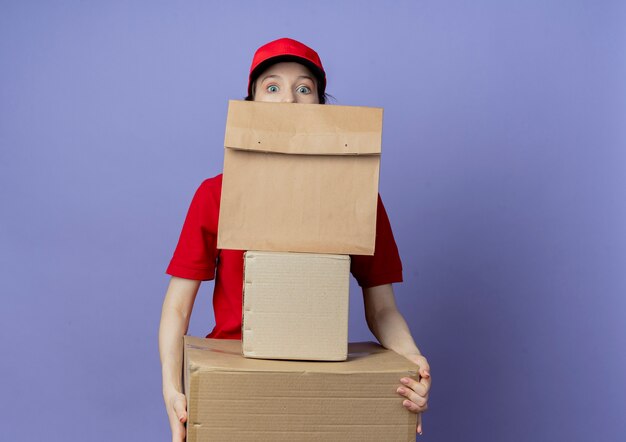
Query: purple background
x=504, y=174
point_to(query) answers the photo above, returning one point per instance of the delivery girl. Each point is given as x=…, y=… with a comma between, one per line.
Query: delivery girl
x=283, y=70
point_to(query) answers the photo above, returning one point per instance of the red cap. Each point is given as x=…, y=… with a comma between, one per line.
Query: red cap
x=287, y=49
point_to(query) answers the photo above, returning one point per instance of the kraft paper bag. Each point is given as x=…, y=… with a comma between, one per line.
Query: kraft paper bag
x=300, y=178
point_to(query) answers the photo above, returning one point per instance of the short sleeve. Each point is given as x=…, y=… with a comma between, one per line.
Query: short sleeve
x=385, y=266
x=196, y=252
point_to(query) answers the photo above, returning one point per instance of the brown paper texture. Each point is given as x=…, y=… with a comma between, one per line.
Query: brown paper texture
x=300, y=178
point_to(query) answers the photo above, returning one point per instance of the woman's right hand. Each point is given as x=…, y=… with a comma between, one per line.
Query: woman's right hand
x=176, y=406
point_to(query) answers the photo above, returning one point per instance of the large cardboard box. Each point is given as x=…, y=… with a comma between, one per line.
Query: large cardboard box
x=295, y=306
x=300, y=178
x=232, y=398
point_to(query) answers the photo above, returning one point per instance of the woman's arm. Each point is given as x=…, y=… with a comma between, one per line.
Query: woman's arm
x=391, y=330
x=177, y=307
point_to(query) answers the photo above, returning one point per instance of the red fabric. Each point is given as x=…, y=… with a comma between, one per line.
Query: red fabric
x=197, y=257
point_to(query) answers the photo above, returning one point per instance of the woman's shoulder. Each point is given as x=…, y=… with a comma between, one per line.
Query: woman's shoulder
x=209, y=192
x=211, y=185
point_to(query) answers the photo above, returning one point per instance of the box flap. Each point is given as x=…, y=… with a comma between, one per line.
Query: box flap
x=303, y=129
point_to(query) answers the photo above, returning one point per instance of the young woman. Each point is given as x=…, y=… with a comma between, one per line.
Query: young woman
x=283, y=70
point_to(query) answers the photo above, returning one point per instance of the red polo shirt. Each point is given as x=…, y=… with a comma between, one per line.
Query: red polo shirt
x=197, y=257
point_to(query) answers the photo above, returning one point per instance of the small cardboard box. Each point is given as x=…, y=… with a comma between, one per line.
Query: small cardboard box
x=232, y=398
x=300, y=178
x=295, y=306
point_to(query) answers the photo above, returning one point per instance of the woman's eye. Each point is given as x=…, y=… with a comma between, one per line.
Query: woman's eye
x=272, y=88
x=304, y=90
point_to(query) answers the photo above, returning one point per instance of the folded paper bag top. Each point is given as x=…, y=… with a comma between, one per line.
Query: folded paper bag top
x=300, y=178
x=313, y=129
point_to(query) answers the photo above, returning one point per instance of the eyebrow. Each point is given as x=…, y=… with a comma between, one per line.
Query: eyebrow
x=278, y=76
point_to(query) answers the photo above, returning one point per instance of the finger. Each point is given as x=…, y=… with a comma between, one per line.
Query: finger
x=413, y=396
x=424, y=372
x=413, y=407
x=180, y=408
x=416, y=386
x=419, y=428
x=418, y=400
x=425, y=384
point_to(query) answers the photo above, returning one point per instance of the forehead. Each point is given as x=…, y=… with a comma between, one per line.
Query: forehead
x=287, y=69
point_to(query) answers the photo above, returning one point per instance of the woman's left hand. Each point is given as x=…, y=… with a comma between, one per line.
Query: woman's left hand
x=416, y=392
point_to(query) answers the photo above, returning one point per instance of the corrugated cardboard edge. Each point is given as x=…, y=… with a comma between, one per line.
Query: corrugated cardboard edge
x=243, y=298
x=192, y=411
